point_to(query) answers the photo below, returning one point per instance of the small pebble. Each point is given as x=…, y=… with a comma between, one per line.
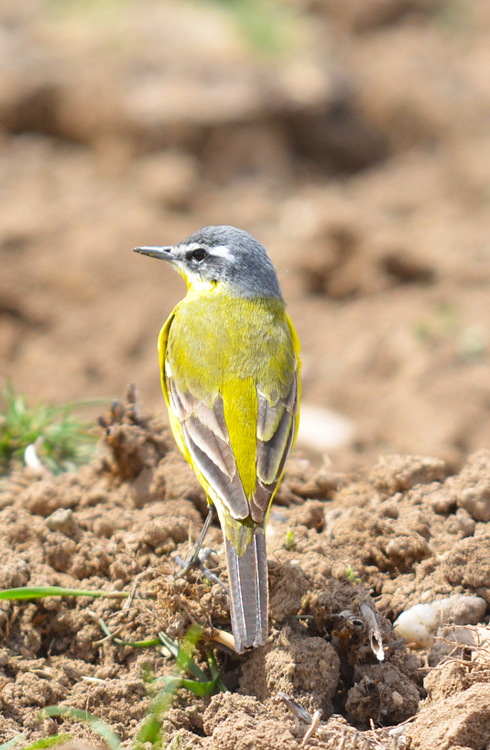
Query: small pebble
x=61, y=520
x=420, y=623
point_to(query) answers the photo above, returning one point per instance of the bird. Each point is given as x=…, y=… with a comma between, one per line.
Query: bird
x=230, y=374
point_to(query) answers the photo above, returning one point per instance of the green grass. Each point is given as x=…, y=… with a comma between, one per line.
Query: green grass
x=40, y=592
x=12, y=742
x=351, y=576
x=61, y=439
x=290, y=542
x=269, y=25
x=151, y=729
x=104, y=731
x=56, y=739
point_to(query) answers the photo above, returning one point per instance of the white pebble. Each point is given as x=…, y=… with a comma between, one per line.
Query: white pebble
x=419, y=623
x=323, y=430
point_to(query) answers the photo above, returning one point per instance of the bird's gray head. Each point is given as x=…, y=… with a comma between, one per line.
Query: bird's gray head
x=222, y=254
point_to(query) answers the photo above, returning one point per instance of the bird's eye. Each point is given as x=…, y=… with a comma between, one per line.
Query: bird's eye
x=199, y=254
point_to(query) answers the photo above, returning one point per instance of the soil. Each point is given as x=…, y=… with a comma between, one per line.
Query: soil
x=346, y=558
x=354, y=144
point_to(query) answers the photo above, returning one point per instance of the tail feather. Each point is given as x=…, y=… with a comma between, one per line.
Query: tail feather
x=249, y=592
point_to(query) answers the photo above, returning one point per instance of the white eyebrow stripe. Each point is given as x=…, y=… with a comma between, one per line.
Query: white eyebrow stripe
x=191, y=246
x=219, y=251
x=222, y=251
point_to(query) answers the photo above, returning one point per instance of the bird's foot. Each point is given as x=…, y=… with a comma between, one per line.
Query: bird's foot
x=198, y=561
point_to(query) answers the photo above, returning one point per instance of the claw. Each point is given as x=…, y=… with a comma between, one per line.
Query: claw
x=198, y=561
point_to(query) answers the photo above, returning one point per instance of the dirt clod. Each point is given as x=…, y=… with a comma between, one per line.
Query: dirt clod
x=398, y=473
x=468, y=563
x=382, y=694
x=303, y=667
x=459, y=720
x=472, y=487
x=288, y=586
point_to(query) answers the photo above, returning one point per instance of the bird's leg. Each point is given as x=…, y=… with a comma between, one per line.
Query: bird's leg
x=199, y=555
x=193, y=560
x=202, y=557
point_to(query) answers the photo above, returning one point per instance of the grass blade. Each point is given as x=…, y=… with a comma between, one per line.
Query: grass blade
x=132, y=644
x=100, y=727
x=186, y=650
x=57, y=739
x=178, y=654
x=64, y=440
x=152, y=724
x=39, y=592
x=197, y=688
x=215, y=673
x=151, y=727
x=169, y=644
x=12, y=742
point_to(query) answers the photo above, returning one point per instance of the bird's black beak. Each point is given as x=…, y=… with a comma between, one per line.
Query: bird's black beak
x=162, y=253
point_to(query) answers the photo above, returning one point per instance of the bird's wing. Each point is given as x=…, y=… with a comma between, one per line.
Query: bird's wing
x=206, y=438
x=219, y=437
x=277, y=428
x=276, y=432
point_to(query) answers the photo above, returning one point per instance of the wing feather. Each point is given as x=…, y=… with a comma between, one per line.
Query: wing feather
x=270, y=452
x=273, y=452
x=291, y=402
x=219, y=451
x=214, y=418
x=206, y=438
x=175, y=401
x=268, y=417
x=230, y=492
x=188, y=401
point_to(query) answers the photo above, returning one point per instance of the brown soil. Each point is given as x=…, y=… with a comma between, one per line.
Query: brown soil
x=341, y=553
x=358, y=152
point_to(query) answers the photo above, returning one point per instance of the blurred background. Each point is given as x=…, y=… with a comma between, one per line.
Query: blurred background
x=352, y=137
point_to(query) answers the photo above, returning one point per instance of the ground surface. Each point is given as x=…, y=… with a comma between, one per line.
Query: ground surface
x=343, y=554
x=354, y=143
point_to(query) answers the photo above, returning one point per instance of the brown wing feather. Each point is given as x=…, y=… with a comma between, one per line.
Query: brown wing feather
x=231, y=492
x=206, y=437
x=276, y=428
x=219, y=451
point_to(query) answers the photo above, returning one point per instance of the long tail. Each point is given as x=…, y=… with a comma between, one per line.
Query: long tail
x=249, y=591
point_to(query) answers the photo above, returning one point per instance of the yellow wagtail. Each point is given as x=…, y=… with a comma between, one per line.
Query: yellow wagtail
x=230, y=376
